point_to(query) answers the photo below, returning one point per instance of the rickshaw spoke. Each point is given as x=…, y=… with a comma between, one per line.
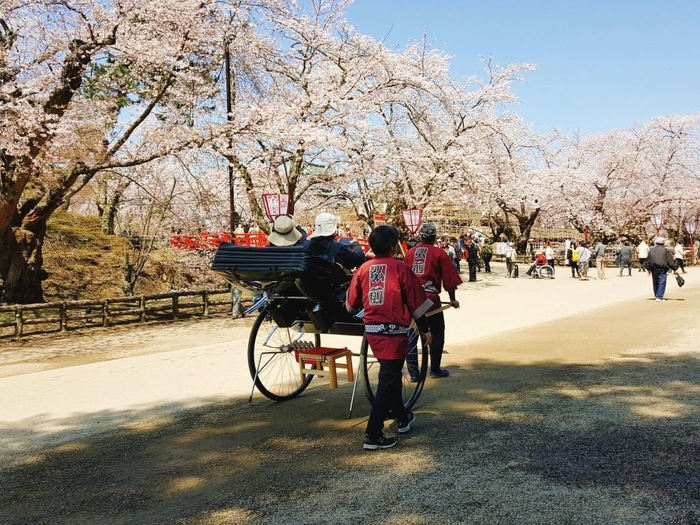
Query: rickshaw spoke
x=272, y=359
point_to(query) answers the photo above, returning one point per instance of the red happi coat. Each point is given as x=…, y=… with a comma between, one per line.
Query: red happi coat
x=391, y=295
x=434, y=269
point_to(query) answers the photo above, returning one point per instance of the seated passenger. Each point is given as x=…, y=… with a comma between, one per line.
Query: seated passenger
x=322, y=241
x=285, y=232
x=329, y=293
x=540, y=260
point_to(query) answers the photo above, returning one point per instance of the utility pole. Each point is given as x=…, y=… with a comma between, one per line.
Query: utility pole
x=229, y=117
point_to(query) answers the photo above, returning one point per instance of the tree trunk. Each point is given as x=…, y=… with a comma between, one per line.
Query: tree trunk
x=108, y=204
x=255, y=209
x=21, y=262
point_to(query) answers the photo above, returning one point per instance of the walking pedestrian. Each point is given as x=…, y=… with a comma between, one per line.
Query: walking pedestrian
x=472, y=258
x=584, y=256
x=678, y=253
x=511, y=259
x=642, y=254
x=435, y=271
x=625, y=256
x=599, y=256
x=572, y=259
x=391, y=296
x=486, y=255
x=658, y=264
x=549, y=254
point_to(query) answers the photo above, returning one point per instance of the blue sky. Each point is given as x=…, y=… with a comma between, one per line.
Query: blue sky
x=601, y=64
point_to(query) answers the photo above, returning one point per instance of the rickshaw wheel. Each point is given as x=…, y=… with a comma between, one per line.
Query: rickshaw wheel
x=369, y=368
x=272, y=359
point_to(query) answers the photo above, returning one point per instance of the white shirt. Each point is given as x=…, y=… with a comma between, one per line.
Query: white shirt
x=549, y=253
x=643, y=250
x=678, y=251
x=584, y=254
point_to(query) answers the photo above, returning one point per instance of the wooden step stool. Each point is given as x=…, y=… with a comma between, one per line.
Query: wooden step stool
x=321, y=356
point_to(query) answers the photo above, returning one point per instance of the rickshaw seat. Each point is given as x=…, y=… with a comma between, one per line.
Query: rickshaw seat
x=248, y=266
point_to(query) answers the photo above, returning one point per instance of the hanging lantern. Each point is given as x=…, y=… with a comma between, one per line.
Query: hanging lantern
x=412, y=219
x=690, y=227
x=657, y=220
x=275, y=204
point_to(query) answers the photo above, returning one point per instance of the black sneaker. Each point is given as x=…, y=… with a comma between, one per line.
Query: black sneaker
x=405, y=427
x=376, y=444
x=443, y=372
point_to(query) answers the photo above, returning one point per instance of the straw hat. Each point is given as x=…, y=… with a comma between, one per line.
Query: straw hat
x=284, y=232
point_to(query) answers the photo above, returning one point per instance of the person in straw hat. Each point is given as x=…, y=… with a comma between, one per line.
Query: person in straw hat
x=285, y=232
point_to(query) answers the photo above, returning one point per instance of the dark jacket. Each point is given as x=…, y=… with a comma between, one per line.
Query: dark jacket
x=349, y=255
x=625, y=254
x=660, y=259
x=472, y=252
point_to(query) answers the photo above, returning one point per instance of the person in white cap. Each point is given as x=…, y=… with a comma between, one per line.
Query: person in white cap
x=659, y=262
x=285, y=232
x=329, y=292
x=322, y=241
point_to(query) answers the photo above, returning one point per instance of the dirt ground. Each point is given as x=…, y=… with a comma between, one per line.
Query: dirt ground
x=568, y=403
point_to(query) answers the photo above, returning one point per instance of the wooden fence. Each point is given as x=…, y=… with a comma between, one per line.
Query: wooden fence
x=32, y=319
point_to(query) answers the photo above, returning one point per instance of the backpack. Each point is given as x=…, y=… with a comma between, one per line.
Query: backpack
x=516, y=272
x=574, y=256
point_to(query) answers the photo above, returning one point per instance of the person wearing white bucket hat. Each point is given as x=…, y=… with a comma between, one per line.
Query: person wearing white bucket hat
x=325, y=225
x=329, y=291
x=347, y=253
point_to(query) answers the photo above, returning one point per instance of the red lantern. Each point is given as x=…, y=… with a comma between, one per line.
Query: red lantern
x=412, y=219
x=275, y=204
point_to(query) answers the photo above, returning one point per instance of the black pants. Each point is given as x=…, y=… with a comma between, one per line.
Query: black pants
x=680, y=264
x=437, y=328
x=388, y=397
x=487, y=263
x=574, y=269
x=472, y=270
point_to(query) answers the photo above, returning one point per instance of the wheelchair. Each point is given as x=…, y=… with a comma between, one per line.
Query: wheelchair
x=543, y=271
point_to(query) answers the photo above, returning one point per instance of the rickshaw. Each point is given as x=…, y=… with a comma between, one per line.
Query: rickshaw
x=298, y=300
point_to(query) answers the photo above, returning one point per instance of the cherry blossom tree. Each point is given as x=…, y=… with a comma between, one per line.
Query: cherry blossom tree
x=434, y=127
x=612, y=182
x=295, y=97
x=87, y=87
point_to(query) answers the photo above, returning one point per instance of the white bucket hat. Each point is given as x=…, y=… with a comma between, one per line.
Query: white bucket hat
x=326, y=224
x=284, y=232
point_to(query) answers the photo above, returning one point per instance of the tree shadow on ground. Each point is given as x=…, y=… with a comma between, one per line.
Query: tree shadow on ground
x=497, y=443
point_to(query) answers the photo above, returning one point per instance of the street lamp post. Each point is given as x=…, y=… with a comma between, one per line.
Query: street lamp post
x=690, y=227
x=229, y=118
x=586, y=217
